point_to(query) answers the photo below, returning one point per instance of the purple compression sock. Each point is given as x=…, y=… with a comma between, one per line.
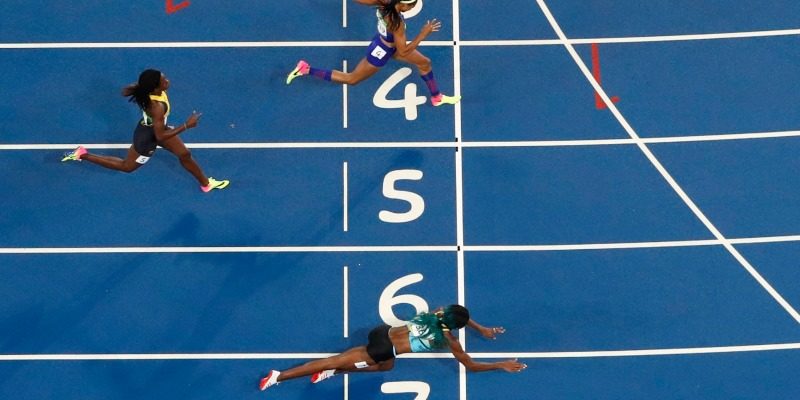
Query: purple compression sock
x=320, y=73
x=431, y=82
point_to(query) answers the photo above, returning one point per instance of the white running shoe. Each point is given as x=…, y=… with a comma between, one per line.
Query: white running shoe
x=269, y=380
x=321, y=376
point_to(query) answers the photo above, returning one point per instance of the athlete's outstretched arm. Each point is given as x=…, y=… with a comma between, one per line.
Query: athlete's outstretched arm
x=475, y=366
x=489, y=333
x=403, y=48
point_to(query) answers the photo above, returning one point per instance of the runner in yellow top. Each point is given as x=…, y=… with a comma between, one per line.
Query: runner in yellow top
x=150, y=94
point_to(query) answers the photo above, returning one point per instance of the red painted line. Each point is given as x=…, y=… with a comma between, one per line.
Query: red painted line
x=598, y=102
x=171, y=8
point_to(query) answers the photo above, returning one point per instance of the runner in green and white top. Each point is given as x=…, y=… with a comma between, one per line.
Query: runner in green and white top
x=427, y=331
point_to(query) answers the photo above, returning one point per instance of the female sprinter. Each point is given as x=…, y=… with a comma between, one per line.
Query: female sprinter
x=389, y=42
x=425, y=332
x=150, y=94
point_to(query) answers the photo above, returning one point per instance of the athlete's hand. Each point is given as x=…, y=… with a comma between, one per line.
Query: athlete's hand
x=192, y=121
x=491, y=333
x=512, y=365
x=431, y=26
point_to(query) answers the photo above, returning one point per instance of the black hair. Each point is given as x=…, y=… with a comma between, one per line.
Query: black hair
x=139, y=93
x=394, y=19
x=455, y=316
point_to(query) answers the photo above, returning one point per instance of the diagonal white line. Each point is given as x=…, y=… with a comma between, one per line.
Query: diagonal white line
x=664, y=173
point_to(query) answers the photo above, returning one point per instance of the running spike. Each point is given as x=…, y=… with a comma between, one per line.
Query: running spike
x=321, y=376
x=301, y=69
x=214, y=184
x=75, y=155
x=269, y=380
x=442, y=99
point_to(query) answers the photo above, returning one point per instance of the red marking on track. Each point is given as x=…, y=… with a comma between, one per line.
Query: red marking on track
x=598, y=102
x=171, y=8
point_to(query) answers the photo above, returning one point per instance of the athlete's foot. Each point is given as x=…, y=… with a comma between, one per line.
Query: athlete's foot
x=301, y=69
x=75, y=155
x=269, y=380
x=214, y=184
x=321, y=376
x=440, y=99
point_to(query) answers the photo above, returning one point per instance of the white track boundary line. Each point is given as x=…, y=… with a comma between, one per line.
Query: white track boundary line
x=636, y=39
x=459, y=175
x=536, y=42
x=661, y=169
x=295, y=356
x=334, y=249
x=192, y=45
x=473, y=144
x=222, y=249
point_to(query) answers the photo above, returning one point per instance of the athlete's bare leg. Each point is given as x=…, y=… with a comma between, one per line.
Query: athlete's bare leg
x=362, y=71
x=129, y=164
x=343, y=361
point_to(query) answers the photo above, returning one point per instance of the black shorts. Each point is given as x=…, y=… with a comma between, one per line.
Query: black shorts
x=380, y=347
x=144, y=140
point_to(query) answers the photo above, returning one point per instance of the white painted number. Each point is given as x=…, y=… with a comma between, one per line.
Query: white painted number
x=388, y=299
x=410, y=100
x=422, y=389
x=414, y=11
x=416, y=202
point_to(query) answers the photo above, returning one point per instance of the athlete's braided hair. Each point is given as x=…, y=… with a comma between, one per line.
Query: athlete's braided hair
x=455, y=316
x=389, y=10
x=139, y=92
x=433, y=325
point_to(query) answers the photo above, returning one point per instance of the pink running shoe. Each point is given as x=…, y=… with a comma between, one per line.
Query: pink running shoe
x=75, y=155
x=442, y=99
x=301, y=69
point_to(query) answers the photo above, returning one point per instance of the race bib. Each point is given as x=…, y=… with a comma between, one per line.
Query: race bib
x=382, y=27
x=378, y=53
x=361, y=364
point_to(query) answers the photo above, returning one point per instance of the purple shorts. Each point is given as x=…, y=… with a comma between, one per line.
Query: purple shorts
x=378, y=53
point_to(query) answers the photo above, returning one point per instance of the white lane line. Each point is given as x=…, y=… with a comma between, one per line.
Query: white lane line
x=344, y=97
x=172, y=45
x=535, y=42
x=295, y=356
x=231, y=249
x=345, y=205
x=472, y=144
x=595, y=246
x=344, y=13
x=459, y=172
x=636, y=39
x=464, y=248
x=346, y=302
x=663, y=171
